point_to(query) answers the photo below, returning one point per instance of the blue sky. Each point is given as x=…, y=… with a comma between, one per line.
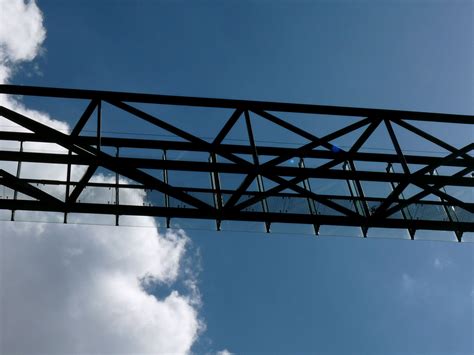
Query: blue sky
x=288, y=293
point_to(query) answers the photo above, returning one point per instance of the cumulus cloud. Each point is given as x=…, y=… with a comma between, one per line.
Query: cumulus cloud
x=21, y=34
x=76, y=289
x=79, y=289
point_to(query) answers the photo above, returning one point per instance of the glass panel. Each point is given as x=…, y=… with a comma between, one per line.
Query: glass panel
x=21, y=196
x=464, y=215
x=77, y=171
x=225, y=197
x=451, y=212
x=322, y=209
x=238, y=226
x=427, y=212
x=5, y=215
x=9, y=166
x=206, y=197
x=128, y=196
x=373, y=205
x=193, y=224
x=396, y=215
x=287, y=204
x=43, y=171
x=6, y=193
x=154, y=198
x=443, y=236
x=468, y=237
x=344, y=202
x=86, y=218
x=189, y=179
x=292, y=229
x=140, y=221
x=340, y=231
x=256, y=207
x=386, y=233
x=175, y=203
x=57, y=191
x=39, y=216
x=94, y=194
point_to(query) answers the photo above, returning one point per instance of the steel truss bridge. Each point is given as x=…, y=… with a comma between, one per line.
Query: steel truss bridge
x=276, y=183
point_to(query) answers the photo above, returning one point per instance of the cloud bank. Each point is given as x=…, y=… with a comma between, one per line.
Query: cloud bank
x=75, y=289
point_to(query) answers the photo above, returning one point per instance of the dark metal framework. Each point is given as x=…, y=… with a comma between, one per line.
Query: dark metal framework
x=291, y=197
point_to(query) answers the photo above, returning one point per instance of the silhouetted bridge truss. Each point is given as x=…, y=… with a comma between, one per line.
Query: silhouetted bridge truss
x=281, y=183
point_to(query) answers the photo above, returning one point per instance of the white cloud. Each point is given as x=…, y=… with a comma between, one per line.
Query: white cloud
x=21, y=34
x=76, y=289
x=79, y=289
x=224, y=352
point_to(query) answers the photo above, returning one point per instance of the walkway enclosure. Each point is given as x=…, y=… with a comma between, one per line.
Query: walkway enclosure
x=129, y=154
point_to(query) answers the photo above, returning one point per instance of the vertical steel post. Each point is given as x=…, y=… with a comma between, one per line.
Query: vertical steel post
x=68, y=182
x=449, y=210
x=311, y=203
x=18, y=172
x=166, y=197
x=260, y=186
x=99, y=124
x=357, y=195
x=405, y=211
x=117, y=193
x=216, y=188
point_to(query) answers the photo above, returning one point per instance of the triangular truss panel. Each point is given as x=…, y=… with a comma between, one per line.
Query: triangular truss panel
x=126, y=155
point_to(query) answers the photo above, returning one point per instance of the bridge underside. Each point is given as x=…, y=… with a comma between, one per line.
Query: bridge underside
x=323, y=175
